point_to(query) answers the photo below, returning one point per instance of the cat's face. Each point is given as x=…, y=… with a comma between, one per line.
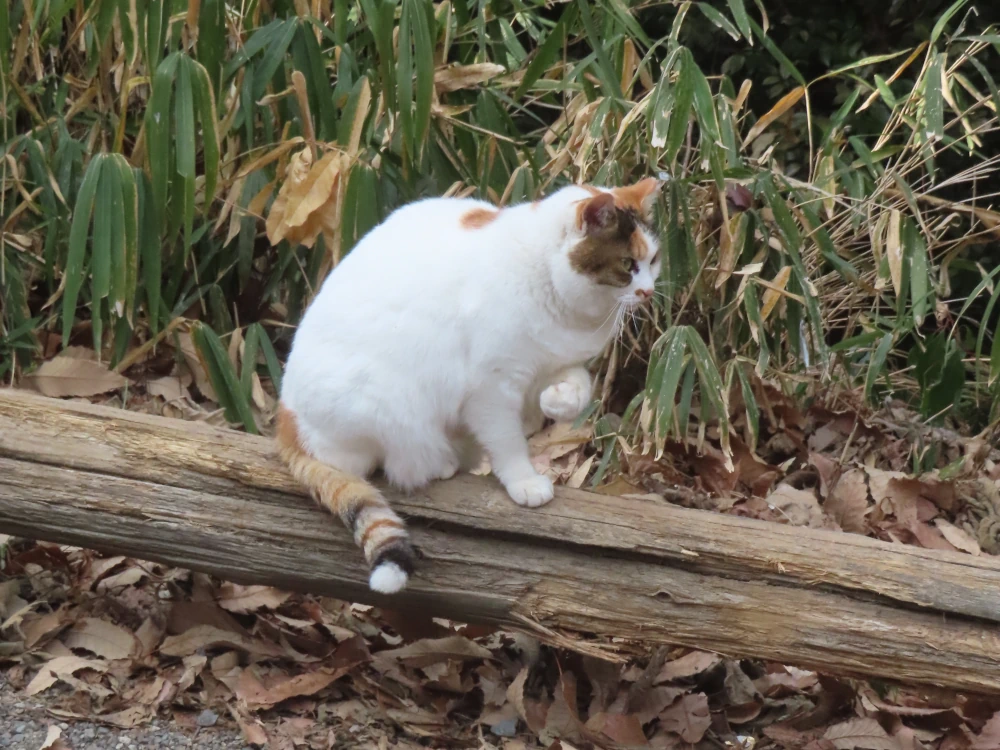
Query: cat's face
x=617, y=250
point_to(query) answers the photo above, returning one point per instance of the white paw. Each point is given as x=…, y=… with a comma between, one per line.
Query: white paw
x=565, y=401
x=450, y=469
x=531, y=492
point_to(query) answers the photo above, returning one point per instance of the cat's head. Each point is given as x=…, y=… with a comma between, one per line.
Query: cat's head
x=613, y=246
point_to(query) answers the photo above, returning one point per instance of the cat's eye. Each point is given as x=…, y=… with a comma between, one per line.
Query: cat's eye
x=629, y=265
x=655, y=258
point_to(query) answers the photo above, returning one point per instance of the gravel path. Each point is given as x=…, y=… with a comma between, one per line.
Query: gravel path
x=24, y=724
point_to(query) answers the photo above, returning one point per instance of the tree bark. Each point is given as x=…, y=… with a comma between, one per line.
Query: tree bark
x=219, y=501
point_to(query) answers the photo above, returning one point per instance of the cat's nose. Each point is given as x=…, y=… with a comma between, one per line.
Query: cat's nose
x=643, y=294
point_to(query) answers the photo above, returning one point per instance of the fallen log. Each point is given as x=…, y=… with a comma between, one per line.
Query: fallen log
x=219, y=501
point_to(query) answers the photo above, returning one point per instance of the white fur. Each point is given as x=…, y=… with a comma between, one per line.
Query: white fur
x=387, y=578
x=430, y=340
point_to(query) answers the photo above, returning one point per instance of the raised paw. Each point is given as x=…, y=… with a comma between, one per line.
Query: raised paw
x=531, y=492
x=565, y=401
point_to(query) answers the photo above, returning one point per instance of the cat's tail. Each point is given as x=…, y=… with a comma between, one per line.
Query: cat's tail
x=377, y=530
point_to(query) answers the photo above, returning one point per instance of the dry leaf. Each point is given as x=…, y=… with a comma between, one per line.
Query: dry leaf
x=989, y=737
x=169, y=387
x=129, y=717
x=458, y=77
x=772, y=293
x=309, y=200
x=102, y=638
x=864, y=734
x=957, y=537
x=69, y=375
x=847, y=503
x=562, y=719
x=258, y=695
x=194, y=362
x=797, y=507
x=430, y=651
x=689, y=717
x=206, y=636
x=784, y=104
x=243, y=599
x=53, y=740
x=894, y=250
x=688, y=665
x=61, y=668
x=625, y=729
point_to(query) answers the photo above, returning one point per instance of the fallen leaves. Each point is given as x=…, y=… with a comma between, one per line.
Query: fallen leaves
x=863, y=733
x=74, y=373
x=102, y=638
x=203, y=637
x=847, y=503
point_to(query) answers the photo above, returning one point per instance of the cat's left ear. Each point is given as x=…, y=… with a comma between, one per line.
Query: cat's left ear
x=641, y=196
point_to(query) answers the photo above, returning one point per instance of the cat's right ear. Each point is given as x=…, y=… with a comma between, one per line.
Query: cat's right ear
x=598, y=214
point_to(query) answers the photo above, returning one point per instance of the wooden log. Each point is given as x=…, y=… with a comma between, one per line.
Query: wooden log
x=219, y=501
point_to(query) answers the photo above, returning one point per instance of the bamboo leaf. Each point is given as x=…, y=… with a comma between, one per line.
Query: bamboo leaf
x=211, y=46
x=545, y=55
x=739, y=12
x=722, y=22
x=681, y=110
x=158, y=121
x=185, y=145
x=934, y=101
x=223, y=378
x=945, y=17
x=78, y=242
x=877, y=365
x=130, y=214
x=204, y=101
x=108, y=194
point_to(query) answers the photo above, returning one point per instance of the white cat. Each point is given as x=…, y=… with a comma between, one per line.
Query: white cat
x=455, y=325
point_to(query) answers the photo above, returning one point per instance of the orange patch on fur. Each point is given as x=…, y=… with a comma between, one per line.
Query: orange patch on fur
x=287, y=429
x=638, y=246
x=636, y=196
x=477, y=218
x=377, y=525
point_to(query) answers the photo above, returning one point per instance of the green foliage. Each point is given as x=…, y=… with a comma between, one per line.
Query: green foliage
x=817, y=219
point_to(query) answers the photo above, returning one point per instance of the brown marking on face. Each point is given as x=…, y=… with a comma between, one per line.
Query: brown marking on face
x=477, y=218
x=613, y=222
x=605, y=254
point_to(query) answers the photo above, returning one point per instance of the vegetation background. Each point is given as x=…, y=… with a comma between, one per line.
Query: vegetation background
x=179, y=176
x=186, y=173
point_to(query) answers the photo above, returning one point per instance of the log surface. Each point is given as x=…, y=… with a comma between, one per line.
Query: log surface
x=219, y=501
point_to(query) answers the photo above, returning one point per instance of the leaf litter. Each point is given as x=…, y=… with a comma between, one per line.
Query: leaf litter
x=125, y=642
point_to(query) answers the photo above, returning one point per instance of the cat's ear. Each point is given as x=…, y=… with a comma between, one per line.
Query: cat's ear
x=641, y=196
x=599, y=214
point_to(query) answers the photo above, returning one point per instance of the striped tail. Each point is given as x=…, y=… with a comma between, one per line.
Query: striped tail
x=377, y=530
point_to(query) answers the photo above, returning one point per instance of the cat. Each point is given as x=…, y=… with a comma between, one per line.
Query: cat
x=453, y=327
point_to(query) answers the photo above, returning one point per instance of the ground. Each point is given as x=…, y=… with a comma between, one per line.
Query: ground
x=113, y=652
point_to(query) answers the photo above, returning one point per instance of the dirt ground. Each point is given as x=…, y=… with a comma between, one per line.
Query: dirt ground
x=25, y=724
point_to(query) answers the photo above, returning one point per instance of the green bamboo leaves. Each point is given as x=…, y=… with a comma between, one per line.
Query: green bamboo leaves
x=416, y=61
x=681, y=353
x=232, y=397
x=182, y=100
x=106, y=213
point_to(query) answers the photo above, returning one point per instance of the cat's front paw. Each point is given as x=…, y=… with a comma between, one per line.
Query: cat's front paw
x=531, y=492
x=565, y=401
